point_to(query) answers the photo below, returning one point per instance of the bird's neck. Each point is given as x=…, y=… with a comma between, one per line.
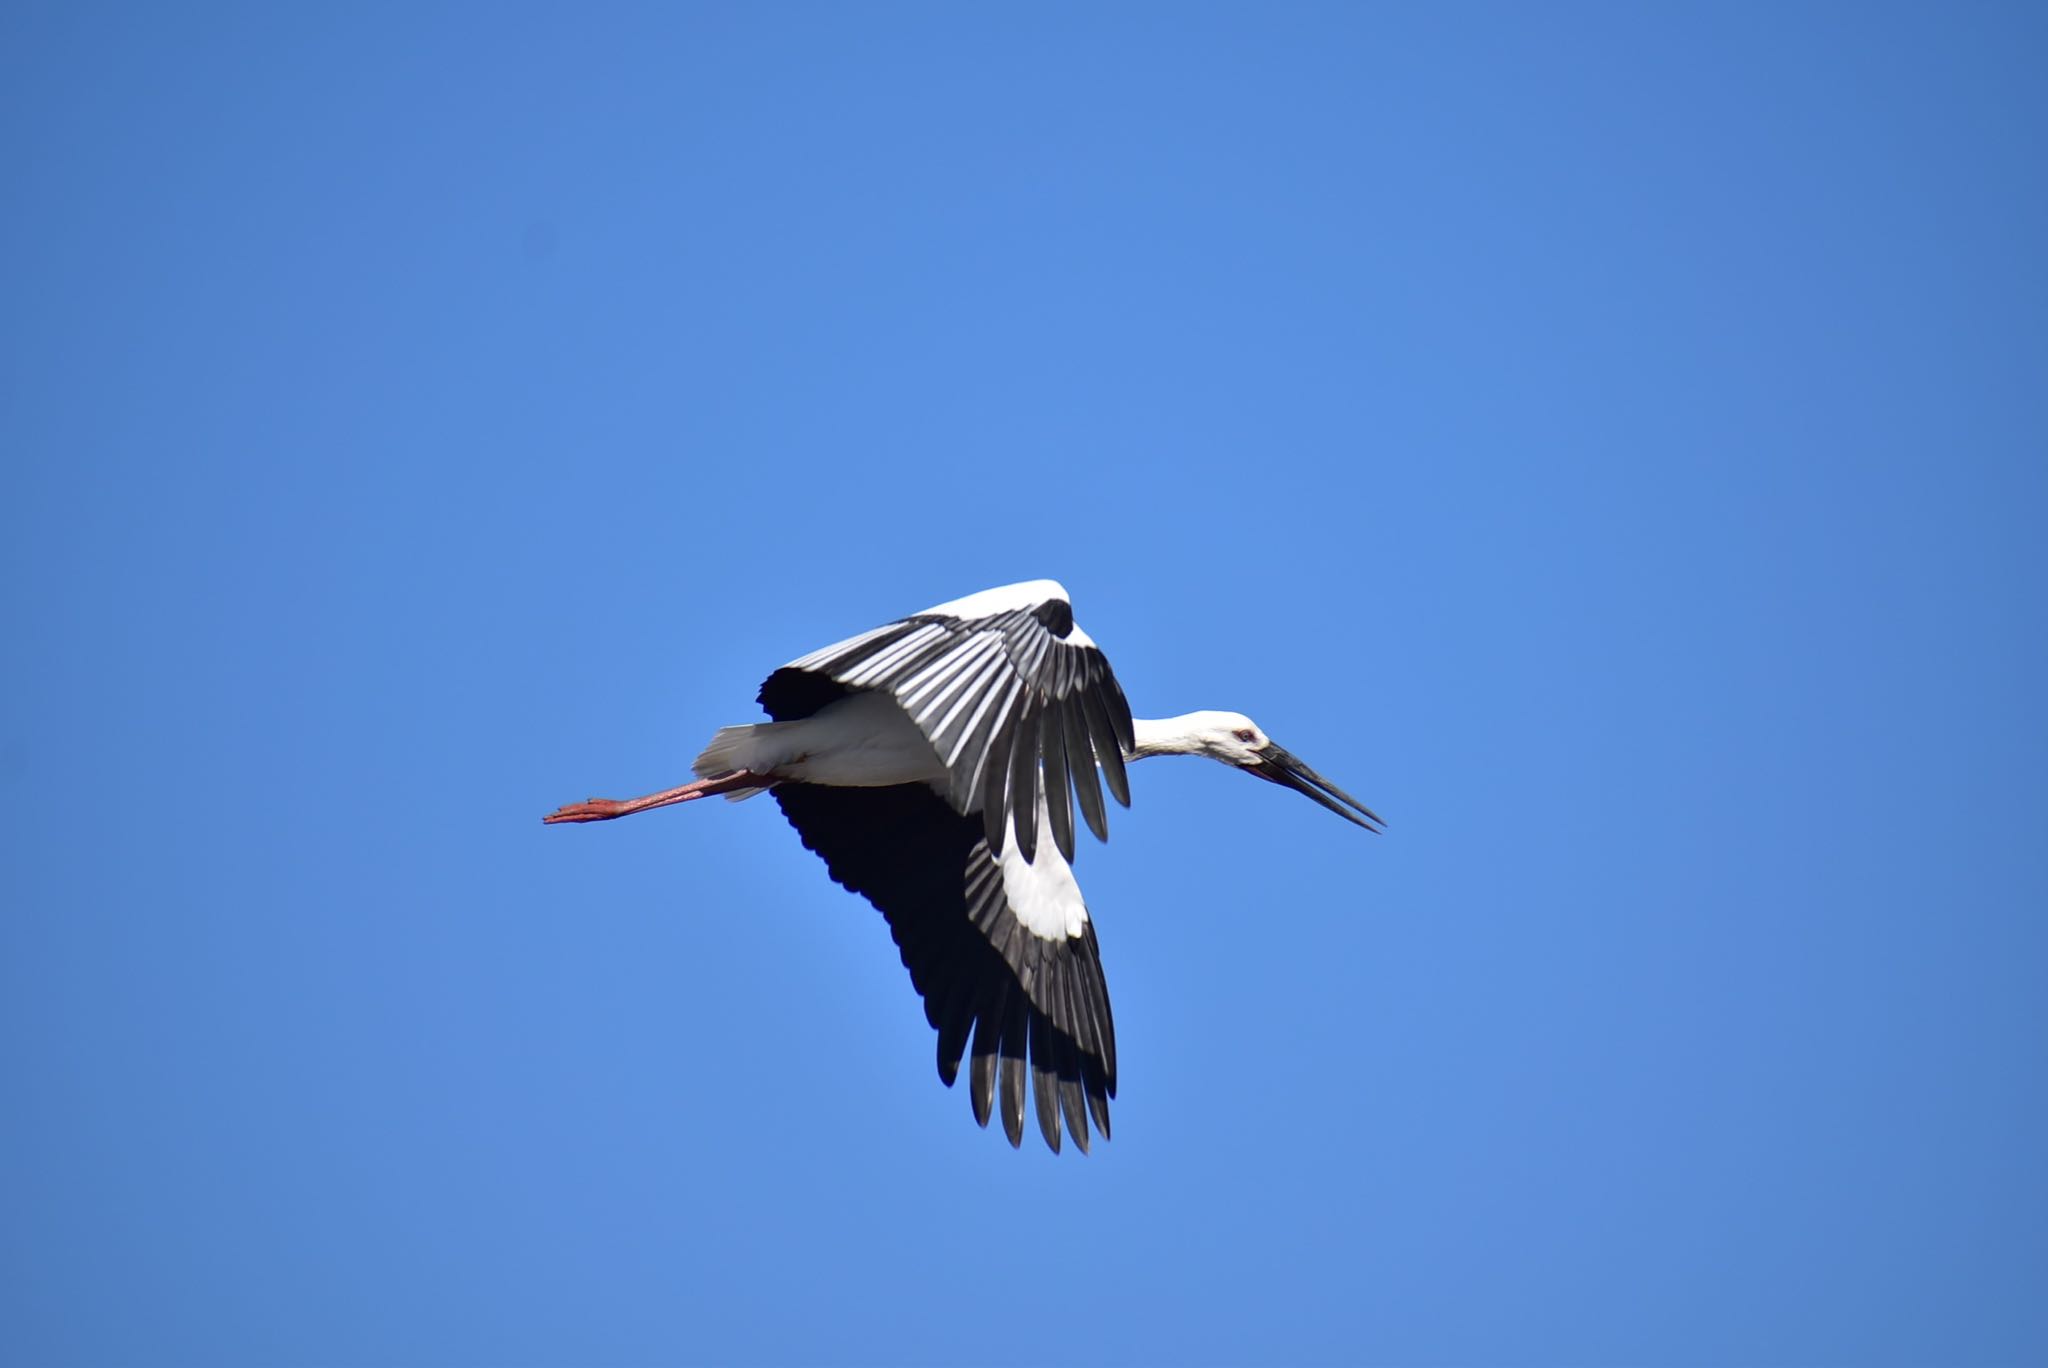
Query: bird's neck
x=1164, y=736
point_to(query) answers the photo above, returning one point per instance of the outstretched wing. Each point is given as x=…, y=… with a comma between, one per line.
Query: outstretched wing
x=1018, y=702
x=1001, y=949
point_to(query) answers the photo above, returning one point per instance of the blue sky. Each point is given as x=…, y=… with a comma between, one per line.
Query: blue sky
x=1611, y=441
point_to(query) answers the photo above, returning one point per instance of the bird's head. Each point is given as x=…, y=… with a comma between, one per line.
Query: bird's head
x=1236, y=740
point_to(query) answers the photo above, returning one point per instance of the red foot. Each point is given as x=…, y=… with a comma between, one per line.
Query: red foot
x=604, y=809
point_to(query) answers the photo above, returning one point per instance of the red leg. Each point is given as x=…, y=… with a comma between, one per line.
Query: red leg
x=604, y=809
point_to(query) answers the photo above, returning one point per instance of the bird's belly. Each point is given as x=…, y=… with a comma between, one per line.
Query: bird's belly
x=863, y=741
x=867, y=767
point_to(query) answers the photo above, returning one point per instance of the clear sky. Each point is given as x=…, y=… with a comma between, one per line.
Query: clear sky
x=1610, y=440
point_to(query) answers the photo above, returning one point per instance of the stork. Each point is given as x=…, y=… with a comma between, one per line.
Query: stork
x=924, y=761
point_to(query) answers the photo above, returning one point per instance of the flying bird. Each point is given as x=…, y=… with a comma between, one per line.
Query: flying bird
x=927, y=762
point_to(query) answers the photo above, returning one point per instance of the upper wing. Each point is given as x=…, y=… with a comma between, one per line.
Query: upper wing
x=999, y=948
x=1019, y=703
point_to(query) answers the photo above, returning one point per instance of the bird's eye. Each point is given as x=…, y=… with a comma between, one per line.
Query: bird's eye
x=1244, y=735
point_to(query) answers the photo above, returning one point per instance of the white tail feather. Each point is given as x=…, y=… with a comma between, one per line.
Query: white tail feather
x=726, y=751
x=735, y=748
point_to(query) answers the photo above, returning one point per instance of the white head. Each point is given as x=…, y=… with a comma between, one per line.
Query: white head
x=1238, y=741
x=1230, y=737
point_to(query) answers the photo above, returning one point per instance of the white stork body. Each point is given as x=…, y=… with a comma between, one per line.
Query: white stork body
x=860, y=741
x=923, y=760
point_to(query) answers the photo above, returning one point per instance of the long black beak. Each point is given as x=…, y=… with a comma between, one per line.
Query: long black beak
x=1279, y=766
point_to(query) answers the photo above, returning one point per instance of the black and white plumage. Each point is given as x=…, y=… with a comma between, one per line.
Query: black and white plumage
x=922, y=760
x=987, y=977
x=1016, y=699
